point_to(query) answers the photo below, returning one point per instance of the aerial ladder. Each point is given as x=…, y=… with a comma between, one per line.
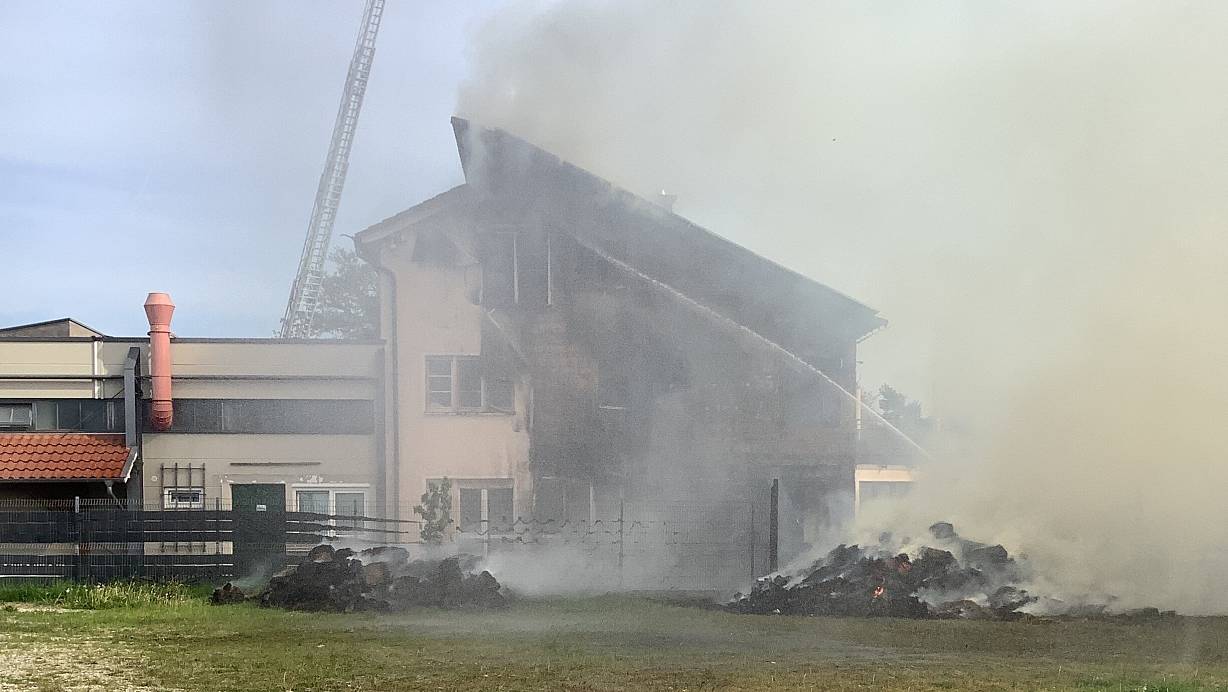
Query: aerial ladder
x=305, y=292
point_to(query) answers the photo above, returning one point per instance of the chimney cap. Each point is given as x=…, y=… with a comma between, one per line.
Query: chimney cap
x=159, y=299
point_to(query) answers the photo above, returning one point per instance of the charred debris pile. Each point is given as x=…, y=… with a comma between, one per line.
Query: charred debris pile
x=951, y=578
x=375, y=579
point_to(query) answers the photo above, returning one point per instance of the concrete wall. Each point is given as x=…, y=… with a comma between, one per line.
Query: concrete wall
x=297, y=461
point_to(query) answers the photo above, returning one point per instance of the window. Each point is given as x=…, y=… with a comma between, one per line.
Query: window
x=469, y=383
x=458, y=384
x=438, y=383
x=16, y=417
x=314, y=501
x=270, y=416
x=183, y=498
x=344, y=504
x=483, y=508
x=351, y=503
x=86, y=415
x=516, y=267
x=80, y=415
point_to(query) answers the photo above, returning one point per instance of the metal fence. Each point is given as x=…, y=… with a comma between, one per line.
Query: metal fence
x=674, y=546
x=678, y=546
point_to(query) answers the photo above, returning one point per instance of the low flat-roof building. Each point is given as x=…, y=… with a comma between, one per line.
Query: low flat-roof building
x=295, y=423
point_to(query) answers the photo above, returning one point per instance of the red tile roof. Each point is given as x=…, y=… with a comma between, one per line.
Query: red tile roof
x=61, y=456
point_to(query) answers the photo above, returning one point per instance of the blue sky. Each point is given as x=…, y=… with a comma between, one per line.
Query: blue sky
x=176, y=147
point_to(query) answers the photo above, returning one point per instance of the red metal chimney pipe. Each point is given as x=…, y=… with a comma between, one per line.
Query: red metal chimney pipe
x=159, y=308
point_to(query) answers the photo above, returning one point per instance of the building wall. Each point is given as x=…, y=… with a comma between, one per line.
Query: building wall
x=296, y=461
x=436, y=315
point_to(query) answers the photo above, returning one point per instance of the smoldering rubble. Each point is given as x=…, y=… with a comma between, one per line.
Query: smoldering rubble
x=948, y=578
x=376, y=579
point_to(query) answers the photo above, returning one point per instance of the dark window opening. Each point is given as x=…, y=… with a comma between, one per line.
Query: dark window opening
x=272, y=416
x=469, y=383
x=499, y=288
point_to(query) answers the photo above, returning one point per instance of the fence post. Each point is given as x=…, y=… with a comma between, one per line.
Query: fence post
x=621, y=507
x=82, y=571
x=773, y=523
x=751, y=508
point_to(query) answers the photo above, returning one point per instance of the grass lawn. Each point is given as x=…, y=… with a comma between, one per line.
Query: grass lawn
x=605, y=643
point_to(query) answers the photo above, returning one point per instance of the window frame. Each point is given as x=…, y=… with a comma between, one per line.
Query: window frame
x=11, y=425
x=333, y=491
x=484, y=524
x=456, y=409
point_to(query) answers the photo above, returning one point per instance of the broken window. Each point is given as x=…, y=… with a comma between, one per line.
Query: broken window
x=533, y=270
x=499, y=284
x=516, y=268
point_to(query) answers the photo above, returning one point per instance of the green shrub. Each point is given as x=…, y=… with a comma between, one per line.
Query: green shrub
x=436, y=512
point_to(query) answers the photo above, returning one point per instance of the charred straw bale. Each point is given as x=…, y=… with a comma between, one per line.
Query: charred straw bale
x=864, y=582
x=381, y=579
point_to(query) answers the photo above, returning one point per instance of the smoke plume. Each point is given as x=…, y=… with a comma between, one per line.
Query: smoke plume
x=1032, y=194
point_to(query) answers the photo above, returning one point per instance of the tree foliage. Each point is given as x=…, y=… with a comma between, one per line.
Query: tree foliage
x=902, y=412
x=349, y=303
x=436, y=512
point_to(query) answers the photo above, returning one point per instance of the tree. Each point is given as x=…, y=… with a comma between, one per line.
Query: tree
x=436, y=512
x=349, y=303
x=902, y=412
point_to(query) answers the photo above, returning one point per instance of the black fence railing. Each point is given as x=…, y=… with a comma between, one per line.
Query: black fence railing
x=675, y=546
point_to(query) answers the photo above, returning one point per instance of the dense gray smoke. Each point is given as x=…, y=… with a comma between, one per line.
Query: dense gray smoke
x=1032, y=193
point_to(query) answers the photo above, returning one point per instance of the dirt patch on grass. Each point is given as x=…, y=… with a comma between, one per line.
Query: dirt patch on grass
x=65, y=664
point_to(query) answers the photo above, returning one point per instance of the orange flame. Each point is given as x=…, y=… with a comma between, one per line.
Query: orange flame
x=879, y=591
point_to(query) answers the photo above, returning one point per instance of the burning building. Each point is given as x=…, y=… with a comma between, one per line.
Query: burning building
x=558, y=345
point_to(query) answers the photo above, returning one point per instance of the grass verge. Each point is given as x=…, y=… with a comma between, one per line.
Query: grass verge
x=120, y=594
x=610, y=643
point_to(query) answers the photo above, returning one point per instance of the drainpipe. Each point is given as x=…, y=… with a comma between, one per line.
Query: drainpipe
x=159, y=308
x=392, y=398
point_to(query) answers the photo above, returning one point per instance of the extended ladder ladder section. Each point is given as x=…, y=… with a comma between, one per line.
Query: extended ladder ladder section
x=305, y=292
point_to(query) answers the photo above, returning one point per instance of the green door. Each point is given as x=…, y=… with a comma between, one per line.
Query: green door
x=259, y=511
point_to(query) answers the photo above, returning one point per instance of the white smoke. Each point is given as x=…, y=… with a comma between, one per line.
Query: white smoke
x=1032, y=193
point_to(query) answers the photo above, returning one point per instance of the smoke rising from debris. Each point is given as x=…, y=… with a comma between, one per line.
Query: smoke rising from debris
x=1032, y=194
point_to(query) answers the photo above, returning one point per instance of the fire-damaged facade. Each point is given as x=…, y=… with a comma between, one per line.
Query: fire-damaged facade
x=558, y=346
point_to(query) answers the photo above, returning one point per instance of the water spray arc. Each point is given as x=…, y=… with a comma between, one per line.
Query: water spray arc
x=738, y=326
x=305, y=292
